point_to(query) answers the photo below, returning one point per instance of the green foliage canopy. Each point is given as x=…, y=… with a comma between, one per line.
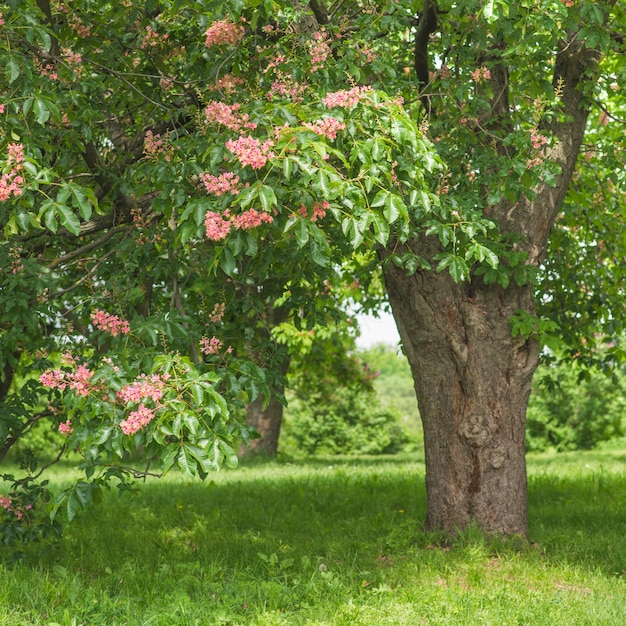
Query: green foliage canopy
x=169, y=168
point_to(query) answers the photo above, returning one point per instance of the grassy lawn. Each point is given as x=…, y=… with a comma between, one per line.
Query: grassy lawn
x=331, y=542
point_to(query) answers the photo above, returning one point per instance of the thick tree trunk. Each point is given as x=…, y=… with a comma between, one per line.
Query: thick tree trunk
x=472, y=380
x=266, y=422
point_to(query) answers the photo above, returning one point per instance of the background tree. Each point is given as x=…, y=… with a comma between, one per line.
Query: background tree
x=181, y=157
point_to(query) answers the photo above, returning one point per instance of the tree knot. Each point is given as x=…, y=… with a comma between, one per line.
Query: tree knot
x=475, y=430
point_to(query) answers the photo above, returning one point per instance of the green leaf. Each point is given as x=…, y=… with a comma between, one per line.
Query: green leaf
x=455, y=265
x=394, y=207
x=381, y=229
x=302, y=233
x=201, y=455
x=12, y=70
x=51, y=218
x=380, y=198
x=267, y=197
x=42, y=113
x=230, y=455
x=81, y=203
x=170, y=457
x=186, y=463
x=71, y=506
x=288, y=168
x=68, y=219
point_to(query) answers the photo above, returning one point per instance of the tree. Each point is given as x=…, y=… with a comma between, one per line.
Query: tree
x=191, y=164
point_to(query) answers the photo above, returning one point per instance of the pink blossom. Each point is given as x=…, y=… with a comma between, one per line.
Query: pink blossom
x=216, y=225
x=152, y=38
x=228, y=83
x=368, y=53
x=11, y=184
x=66, y=427
x=210, y=346
x=54, y=379
x=227, y=115
x=285, y=86
x=16, y=152
x=142, y=388
x=327, y=127
x=5, y=502
x=538, y=140
x=346, y=98
x=110, y=323
x=319, y=50
x=223, y=32
x=251, y=219
x=219, y=185
x=275, y=62
x=137, y=420
x=480, y=74
x=319, y=210
x=80, y=380
x=152, y=144
x=218, y=312
x=250, y=151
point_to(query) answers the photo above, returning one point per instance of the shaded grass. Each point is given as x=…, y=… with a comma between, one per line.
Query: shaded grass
x=331, y=542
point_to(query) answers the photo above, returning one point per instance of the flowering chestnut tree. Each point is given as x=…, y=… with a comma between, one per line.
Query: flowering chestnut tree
x=179, y=179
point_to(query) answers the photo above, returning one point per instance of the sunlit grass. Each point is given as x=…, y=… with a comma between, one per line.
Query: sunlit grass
x=331, y=542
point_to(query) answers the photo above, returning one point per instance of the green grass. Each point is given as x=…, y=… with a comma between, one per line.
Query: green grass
x=331, y=542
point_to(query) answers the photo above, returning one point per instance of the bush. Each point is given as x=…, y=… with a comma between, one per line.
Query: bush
x=344, y=420
x=571, y=410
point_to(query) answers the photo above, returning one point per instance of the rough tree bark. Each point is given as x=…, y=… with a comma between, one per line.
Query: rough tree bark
x=472, y=381
x=472, y=378
x=267, y=421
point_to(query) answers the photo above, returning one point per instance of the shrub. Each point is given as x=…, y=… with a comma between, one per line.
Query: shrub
x=342, y=420
x=570, y=410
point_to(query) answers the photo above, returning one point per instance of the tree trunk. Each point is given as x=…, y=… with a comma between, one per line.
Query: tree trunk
x=472, y=380
x=267, y=422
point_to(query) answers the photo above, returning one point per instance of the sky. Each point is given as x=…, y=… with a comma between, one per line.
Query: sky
x=377, y=330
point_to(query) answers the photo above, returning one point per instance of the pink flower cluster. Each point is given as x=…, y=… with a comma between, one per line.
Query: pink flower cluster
x=227, y=115
x=136, y=420
x=327, y=127
x=74, y=59
x=346, y=98
x=480, y=74
x=79, y=380
x=251, y=219
x=368, y=53
x=152, y=38
x=109, y=323
x=319, y=210
x=211, y=346
x=228, y=83
x=250, y=151
x=11, y=183
x=144, y=387
x=217, y=314
x=218, y=225
x=319, y=50
x=275, y=62
x=223, y=32
x=538, y=140
x=286, y=87
x=7, y=503
x=153, y=145
x=219, y=185
x=66, y=427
